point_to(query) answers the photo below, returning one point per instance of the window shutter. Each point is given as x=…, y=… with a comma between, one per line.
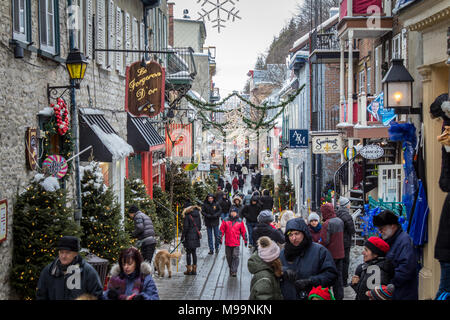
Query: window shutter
x=135, y=39
x=119, y=40
x=100, y=34
x=57, y=32
x=142, y=40
x=128, y=55
x=89, y=13
x=111, y=33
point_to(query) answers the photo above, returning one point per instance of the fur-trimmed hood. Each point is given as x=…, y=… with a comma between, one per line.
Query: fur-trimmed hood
x=191, y=209
x=146, y=269
x=236, y=197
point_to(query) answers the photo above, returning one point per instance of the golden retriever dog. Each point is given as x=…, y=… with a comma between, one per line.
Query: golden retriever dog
x=162, y=261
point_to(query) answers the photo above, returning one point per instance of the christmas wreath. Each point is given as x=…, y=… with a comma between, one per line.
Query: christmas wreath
x=62, y=116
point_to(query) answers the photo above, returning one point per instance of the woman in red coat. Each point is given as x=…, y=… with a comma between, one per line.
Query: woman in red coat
x=235, y=184
x=233, y=228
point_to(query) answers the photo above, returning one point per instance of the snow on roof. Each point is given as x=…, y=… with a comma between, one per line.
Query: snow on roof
x=47, y=111
x=300, y=43
x=115, y=144
x=194, y=94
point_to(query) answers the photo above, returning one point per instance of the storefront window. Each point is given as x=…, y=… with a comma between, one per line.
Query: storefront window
x=135, y=167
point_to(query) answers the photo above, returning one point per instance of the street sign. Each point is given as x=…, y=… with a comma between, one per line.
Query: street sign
x=298, y=138
x=372, y=152
x=326, y=144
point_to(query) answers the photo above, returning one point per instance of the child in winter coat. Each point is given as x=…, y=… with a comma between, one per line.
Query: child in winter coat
x=265, y=265
x=376, y=269
x=314, y=226
x=233, y=228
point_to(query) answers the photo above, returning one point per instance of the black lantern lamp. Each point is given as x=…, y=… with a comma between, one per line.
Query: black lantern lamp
x=76, y=64
x=398, y=88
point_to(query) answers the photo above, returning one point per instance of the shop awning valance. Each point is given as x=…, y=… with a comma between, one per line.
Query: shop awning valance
x=95, y=130
x=141, y=133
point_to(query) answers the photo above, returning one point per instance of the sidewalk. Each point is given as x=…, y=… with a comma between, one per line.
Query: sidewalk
x=212, y=281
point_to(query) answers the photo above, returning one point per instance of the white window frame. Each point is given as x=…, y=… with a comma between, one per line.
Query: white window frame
x=390, y=178
x=49, y=20
x=79, y=30
x=22, y=34
x=369, y=82
x=378, y=69
x=397, y=47
x=361, y=81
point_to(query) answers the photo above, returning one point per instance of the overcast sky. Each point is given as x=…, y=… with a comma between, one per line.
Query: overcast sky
x=240, y=42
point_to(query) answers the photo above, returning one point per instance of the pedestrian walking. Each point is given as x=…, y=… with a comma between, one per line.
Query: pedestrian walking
x=241, y=182
x=306, y=264
x=211, y=212
x=144, y=232
x=376, y=270
x=247, y=198
x=314, y=226
x=442, y=249
x=69, y=276
x=250, y=213
x=285, y=216
x=190, y=237
x=401, y=254
x=343, y=213
x=225, y=205
x=228, y=187
x=235, y=184
x=266, y=200
x=233, y=229
x=130, y=278
x=265, y=266
x=332, y=237
x=245, y=172
x=265, y=227
x=258, y=179
x=237, y=203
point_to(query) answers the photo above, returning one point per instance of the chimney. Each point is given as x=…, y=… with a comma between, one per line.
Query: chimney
x=171, y=32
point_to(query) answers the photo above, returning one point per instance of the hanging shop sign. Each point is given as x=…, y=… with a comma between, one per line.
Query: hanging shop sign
x=145, y=89
x=298, y=138
x=372, y=152
x=57, y=166
x=326, y=144
x=3, y=219
x=31, y=148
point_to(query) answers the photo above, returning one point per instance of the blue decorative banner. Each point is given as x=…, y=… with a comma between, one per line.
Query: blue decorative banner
x=298, y=138
x=377, y=110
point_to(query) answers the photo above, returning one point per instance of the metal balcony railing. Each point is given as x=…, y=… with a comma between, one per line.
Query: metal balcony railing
x=180, y=65
x=325, y=41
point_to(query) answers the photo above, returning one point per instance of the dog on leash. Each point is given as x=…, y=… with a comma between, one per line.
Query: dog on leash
x=162, y=261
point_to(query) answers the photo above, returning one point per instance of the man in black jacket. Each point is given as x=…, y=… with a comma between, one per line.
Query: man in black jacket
x=266, y=200
x=211, y=211
x=343, y=213
x=250, y=213
x=225, y=205
x=144, y=232
x=68, y=276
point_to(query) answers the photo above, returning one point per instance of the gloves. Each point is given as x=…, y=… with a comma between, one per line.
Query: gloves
x=138, y=297
x=112, y=295
x=246, y=244
x=290, y=275
x=303, y=284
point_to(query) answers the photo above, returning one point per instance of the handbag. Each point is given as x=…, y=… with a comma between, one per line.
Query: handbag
x=198, y=232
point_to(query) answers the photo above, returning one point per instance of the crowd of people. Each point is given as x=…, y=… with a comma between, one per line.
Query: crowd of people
x=301, y=259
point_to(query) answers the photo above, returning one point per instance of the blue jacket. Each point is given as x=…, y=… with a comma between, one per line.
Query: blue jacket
x=315, y=262
x=403, y=257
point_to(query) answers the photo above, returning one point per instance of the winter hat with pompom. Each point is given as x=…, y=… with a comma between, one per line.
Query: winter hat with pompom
x=268, y=250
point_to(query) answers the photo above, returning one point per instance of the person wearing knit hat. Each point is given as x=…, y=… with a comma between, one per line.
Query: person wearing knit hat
x=375, y=268
x=314, y=226
x=319, y=293
x=402, y=255
x=381, y=292
x=343, y=202
x=69, y=275
x=265, y=266
x=266, y=227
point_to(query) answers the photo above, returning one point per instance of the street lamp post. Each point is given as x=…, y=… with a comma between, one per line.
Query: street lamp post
x=76, y=65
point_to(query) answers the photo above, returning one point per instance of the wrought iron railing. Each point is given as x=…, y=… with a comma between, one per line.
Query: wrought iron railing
x=325, y=41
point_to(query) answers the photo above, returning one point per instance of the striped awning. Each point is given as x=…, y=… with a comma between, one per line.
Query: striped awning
x=141, y=133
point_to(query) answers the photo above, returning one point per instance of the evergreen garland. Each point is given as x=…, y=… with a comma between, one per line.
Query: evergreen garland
x=101, y=221
x=41, y=218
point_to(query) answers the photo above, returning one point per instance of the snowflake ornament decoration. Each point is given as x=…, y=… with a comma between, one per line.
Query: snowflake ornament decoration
x=221, y=7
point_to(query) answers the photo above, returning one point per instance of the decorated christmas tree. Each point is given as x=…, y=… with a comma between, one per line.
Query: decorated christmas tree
x=182, y=187
x=136, y=194
x=285, y=195
x=268, y=184
x=41, y=218
x=104, y=235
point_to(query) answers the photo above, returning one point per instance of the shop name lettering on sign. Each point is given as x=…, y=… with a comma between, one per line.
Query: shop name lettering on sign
x=145, y=89
x=372, y=152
